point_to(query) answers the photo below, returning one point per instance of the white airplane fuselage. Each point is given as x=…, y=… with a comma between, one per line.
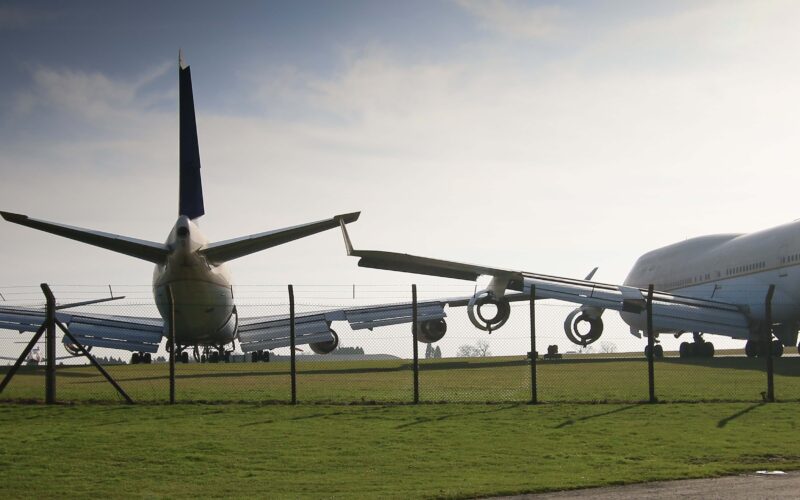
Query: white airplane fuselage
x=733, y=268
x=205, y=313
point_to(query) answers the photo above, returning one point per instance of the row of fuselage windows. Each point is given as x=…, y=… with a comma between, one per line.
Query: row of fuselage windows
x=687, y=281
x=757, y=266
x=790, y=258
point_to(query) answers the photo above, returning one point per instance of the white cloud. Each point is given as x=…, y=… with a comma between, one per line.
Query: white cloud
x=515, y=19
x=588, y=160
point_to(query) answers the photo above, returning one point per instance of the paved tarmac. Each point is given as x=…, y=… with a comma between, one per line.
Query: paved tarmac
x=748, y=486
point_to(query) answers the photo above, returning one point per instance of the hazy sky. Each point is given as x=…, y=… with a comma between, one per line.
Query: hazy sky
x=547, y=137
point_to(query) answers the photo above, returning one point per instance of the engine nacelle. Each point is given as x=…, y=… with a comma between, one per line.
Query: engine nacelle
x=577, y=317
x=431, y=331
x=326, y=347
x=74, y=351
x=488, y=298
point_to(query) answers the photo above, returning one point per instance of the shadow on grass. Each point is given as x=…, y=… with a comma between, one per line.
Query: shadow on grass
x=456, y=365
x=722, y=423
x=596, y=415
x=425, y=420
x=789, y=366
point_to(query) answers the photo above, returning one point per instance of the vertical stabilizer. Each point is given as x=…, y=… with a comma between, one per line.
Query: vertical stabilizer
x=190, y=201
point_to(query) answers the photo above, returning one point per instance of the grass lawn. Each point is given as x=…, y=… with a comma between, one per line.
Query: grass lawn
x=495, y=379
x=453, y=450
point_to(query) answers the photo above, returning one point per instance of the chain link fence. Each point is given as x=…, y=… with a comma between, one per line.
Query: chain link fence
x=466, y=365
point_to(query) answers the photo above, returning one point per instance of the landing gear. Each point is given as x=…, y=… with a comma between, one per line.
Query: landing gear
x=257, y=356
x=658, y=351
x=697, y=349
x=753, y=348
x=184, y=357
x=141, y=357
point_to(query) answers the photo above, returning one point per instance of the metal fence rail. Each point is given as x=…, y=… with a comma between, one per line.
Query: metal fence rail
x=389, y=365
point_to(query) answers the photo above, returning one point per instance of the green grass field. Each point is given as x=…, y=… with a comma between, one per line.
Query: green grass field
x=496, y=379
x=371, y=451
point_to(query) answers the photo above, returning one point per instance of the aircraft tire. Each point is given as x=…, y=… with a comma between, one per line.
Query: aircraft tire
x=685, y=350
x=185, y=357
x=135, y=358
x=647, y=352
x=148, y=358
x=777, y=348
x=751, y=349
x=658, y=350
x=707, y=349
x=255, y=356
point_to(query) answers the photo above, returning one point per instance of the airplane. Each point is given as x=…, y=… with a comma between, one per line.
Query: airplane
x=715, y=284
x=35, y=357
x=195, y=272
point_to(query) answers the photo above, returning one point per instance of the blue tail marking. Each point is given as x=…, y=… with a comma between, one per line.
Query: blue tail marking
x=190, y=201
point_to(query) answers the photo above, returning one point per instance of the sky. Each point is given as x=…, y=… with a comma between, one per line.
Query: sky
x=549, y=137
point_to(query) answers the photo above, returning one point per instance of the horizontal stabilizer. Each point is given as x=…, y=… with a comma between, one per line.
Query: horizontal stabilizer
x=141, y=249
x=224, y=251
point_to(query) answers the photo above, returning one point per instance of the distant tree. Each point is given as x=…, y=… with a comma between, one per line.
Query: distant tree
x=428, y=351
x=608, y=347
x=479, y=350
x=482, y=346
x=586, y=349
x=437, y=353
x=466, y=351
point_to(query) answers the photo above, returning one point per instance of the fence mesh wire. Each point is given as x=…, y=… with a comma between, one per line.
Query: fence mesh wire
x=466, y=365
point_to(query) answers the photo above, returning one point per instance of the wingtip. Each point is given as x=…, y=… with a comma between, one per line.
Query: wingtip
x=348, y=218
x=11, y=217
x=181, y=63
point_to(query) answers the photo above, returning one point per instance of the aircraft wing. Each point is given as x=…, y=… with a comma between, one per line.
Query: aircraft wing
x=129, y=333
x=224, y=251
x=270, y=332
x=670, y=312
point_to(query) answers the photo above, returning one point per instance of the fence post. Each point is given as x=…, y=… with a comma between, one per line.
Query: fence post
x=171, y=341
x=533, y=355
x=292, y=344
x=414, y=335
x=767, y=339
x=50, y=346
x=650, y=347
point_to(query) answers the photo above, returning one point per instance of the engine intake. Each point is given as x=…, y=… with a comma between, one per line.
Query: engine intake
x=487, y=298
x=431, y=331
x=327, y=346
x=577, y=317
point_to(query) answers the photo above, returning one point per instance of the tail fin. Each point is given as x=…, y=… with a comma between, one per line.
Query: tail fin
x=190, y=201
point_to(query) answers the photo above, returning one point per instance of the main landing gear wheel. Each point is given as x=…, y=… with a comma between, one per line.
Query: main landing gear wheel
x=184, y=357
x=257, y=356
x=141, y=357
x=658, y=351
x=697, y=349
x=754, y=348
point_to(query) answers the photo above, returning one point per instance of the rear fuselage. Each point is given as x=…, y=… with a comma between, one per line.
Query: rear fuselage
x=205, y=313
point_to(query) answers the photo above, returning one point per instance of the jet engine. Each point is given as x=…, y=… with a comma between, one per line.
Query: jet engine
x=74, y=351
x=574, y=329
x=484, y=301
x=431, y=330
x=327, y=346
